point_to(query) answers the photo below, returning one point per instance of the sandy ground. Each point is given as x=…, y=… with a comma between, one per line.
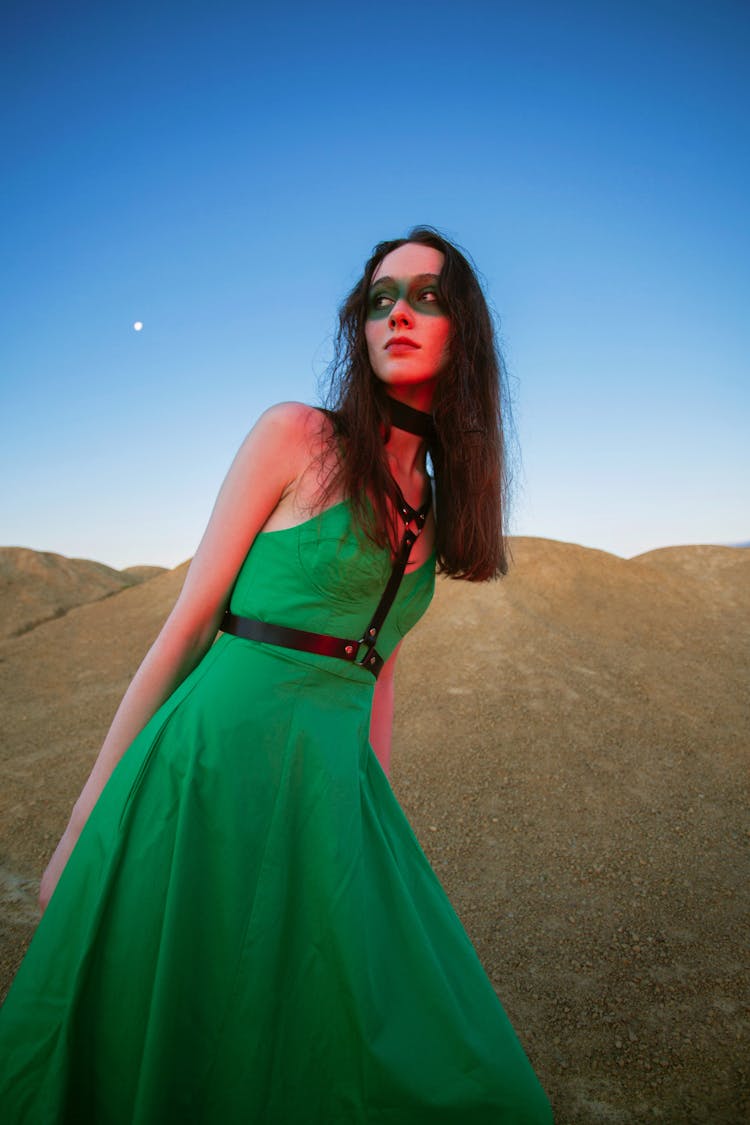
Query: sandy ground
x=571, y=747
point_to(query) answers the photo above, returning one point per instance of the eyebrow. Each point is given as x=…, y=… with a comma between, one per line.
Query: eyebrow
x=417, y=279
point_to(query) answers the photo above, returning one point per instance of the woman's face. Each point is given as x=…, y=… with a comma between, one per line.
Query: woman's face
x=407, y=330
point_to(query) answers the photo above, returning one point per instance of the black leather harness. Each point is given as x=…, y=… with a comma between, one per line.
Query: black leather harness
x=343, y=648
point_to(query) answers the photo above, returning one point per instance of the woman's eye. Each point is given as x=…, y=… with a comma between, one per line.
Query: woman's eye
x=378, y=301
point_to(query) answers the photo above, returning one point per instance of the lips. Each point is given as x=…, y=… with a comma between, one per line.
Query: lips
x=401, y=341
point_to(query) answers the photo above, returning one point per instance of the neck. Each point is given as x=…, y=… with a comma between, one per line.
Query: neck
x=411, y=432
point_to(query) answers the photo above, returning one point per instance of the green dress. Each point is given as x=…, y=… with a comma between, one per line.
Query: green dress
x=247, y=930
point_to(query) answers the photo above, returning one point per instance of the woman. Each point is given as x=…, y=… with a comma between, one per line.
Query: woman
x=245, y=928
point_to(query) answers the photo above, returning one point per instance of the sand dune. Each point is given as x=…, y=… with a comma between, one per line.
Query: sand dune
x=37, y=586
x=571, y=748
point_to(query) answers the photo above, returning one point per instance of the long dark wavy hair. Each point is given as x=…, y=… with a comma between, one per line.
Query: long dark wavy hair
x=471, y=412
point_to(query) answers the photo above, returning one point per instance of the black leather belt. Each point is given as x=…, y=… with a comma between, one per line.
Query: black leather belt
x=343, y=648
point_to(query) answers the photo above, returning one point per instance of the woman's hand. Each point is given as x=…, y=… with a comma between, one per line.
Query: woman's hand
x=56, y=865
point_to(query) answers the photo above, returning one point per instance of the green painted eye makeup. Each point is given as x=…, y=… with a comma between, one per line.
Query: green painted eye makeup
x=420, y=293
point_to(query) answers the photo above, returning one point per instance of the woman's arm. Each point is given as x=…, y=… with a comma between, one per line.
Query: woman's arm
x=381, y=721
x=265, y=468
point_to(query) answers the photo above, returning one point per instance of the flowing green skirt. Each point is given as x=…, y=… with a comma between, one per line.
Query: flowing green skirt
x=249, y=931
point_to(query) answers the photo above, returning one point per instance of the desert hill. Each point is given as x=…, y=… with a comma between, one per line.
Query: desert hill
x=571, y=747
x=141, y=573
x=722, y=570
x=36, y=586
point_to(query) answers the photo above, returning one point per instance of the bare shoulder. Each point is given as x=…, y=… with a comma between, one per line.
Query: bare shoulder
x=295, y=418
x=303, y=434
x=299, y=428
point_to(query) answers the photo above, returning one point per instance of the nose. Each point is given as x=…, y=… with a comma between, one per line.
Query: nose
x=400, y=314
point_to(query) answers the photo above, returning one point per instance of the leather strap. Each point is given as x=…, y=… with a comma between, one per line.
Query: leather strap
x=253, y=630
x=323, y=644
x=409, y=538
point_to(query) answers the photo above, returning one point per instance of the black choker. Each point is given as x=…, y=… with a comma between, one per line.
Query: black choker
x=407, y=418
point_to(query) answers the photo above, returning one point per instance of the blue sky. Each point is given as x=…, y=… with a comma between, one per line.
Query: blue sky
x=221, y=172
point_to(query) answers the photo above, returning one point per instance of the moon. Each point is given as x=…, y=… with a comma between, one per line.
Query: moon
x=138, y=325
